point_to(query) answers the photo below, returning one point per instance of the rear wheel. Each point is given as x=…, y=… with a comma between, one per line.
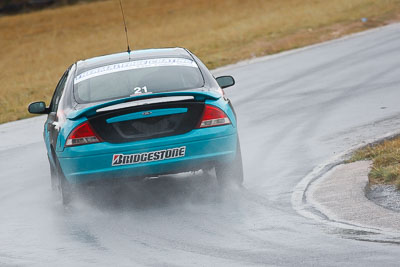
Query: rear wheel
x=53, y=177
x=66, y=190
x=231, y=173
x=64, y=186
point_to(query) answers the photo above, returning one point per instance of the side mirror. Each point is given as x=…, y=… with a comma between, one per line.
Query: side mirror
x=37, y=108
x=225, y=81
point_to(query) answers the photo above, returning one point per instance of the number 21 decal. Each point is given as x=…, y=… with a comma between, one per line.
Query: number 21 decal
x=140, y=90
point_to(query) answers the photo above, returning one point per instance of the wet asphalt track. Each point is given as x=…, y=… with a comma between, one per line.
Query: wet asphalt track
x=295, y=110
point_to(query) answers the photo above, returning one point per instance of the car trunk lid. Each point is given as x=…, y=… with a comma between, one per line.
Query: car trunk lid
x=147, y=116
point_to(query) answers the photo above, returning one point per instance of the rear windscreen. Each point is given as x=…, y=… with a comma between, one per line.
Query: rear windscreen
x=137, y=77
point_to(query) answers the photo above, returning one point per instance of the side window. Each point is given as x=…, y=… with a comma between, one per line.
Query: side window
x=58, y=92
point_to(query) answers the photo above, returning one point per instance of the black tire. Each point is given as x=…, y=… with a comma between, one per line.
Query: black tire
x=66, y=191
x=64, y=186
x=53, y=177
x=231, y=173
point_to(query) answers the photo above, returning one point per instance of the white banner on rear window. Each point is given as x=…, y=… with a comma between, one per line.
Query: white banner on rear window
x=137, y=64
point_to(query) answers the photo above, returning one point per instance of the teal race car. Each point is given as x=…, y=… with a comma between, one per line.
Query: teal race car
x=139, y=114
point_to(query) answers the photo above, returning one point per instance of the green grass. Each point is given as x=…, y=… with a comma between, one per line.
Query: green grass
x=386, y=162
x=37, y=47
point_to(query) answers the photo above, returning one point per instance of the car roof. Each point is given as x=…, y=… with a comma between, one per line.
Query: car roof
x=95, y=62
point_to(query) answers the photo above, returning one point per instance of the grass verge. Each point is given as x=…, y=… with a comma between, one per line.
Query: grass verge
x=37, y=47
x=386, y=162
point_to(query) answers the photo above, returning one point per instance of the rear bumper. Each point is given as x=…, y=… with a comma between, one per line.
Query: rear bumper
x=203, y=148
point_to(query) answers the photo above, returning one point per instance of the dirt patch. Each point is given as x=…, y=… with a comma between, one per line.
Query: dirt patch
x=386, y=196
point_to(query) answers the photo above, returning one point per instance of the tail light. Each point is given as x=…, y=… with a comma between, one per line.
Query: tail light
x=82, y=135
x=213, y=116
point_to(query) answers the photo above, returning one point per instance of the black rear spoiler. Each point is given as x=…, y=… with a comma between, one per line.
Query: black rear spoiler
x=130, y=101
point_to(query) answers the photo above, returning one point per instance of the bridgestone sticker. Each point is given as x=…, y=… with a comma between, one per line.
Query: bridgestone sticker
x=137, y=64
x=121, y=159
